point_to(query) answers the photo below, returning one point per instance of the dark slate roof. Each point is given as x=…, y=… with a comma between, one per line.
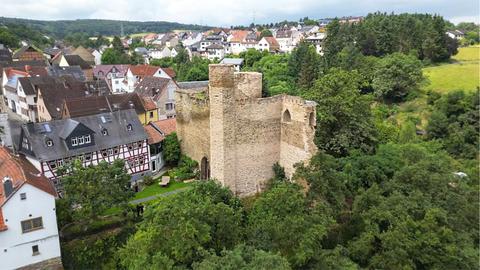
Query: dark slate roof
x=52, y=51
x=22, y=64
x=74, y=71
x=152, y=86
x=98, y=104
x=54, y=94
x=5, y=56
x=29, y=84
x=115, y=123
x=215, y=46
x=98, y=87
x=76, y=60
x=192, y=85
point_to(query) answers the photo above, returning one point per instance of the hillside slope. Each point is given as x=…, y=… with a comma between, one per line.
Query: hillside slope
x=95, y=27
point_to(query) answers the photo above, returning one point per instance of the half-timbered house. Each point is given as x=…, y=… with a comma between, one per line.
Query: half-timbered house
x=92, y=139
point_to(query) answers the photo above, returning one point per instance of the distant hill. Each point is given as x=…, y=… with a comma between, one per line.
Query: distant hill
x=94, y=27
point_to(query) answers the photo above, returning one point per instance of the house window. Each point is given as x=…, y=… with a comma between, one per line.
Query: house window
x=23, y=196
x=81, y=140
x=110, y=151
x=35, y=250
x=87, y=139
x=104, y=153
x=129, y=127
x=151, y=114
x=74, y=141
x=53, y=164
x=32, y=224
x=168, y=106
x=60, y=162
x=88, y=157
x=115, y=150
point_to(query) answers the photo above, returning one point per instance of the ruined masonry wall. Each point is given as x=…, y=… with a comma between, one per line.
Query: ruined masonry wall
x=242, y=134
x=193, y=124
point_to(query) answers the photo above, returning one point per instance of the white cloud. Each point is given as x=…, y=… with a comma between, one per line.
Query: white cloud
x=228, y=12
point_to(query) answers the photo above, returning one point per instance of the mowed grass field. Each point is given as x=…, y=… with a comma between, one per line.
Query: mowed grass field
x=463, y=73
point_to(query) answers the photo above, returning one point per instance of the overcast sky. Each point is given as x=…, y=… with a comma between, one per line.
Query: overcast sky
x=229, y=12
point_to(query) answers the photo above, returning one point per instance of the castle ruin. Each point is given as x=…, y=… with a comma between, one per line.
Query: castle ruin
x=236, y=135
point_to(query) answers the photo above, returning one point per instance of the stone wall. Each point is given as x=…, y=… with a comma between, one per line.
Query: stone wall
x=242, y=134
x=51, y=264
x=193, y=123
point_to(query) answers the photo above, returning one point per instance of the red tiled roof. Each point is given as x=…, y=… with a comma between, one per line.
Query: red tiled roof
x=272, y=41
x=157, y=130
x=143, y=70
x=170, y=72
x=10, y=72
x=21, y=172
x=239, y=35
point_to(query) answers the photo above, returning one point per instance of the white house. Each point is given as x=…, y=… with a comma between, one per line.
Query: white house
x=268, y=44
x=9, y=88
x=236, y=62
x=456, y=34
x=98, y=57
x=136, y=73
x=215, y=51
x=28, y=224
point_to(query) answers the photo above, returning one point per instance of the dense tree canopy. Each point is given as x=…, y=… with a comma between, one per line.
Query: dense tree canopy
x=344, y=119
x=94, y=189
x=396, y=76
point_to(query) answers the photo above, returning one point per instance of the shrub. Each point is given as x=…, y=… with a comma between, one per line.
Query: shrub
x=187, y=168
x=171, y=149
x=148, y=180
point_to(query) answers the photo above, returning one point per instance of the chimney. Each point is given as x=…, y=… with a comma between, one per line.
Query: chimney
x=7, y=186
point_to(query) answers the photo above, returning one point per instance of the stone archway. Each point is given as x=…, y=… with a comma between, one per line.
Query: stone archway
x=204, y=169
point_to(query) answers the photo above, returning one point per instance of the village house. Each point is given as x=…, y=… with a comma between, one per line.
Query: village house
x=91, y=139
x=156, y=132
x=85, y=54
x=236, y=135
x=317, y=40
x=145, y=108
x=162, y=92
x=28, y=53
x=28, y=223
x=136, y=73
x=73, y=71
x=51, y=96
x=215, y=51
x=114, y=75
x=9, y=88
x=456, y=34
x=236, y=62
x=74, y=60
x=269, y=44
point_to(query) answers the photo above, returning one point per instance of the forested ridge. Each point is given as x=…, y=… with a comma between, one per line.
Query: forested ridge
x=92, y=27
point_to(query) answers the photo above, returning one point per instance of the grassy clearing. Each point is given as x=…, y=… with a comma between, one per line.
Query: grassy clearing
x=463, y=73
x=156, y=189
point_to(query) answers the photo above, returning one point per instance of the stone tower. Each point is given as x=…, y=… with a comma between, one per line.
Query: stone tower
x=236, y=135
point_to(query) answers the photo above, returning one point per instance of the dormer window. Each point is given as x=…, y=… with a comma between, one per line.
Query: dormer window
x=129, y=127
x=87, y=139
x=104, y=132
x=74, y=141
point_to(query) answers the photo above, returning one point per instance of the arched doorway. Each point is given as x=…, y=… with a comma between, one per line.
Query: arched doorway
x=204, y=169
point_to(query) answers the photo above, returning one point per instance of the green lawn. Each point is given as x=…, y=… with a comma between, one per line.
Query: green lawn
x=156, y=189
x=461, y=74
